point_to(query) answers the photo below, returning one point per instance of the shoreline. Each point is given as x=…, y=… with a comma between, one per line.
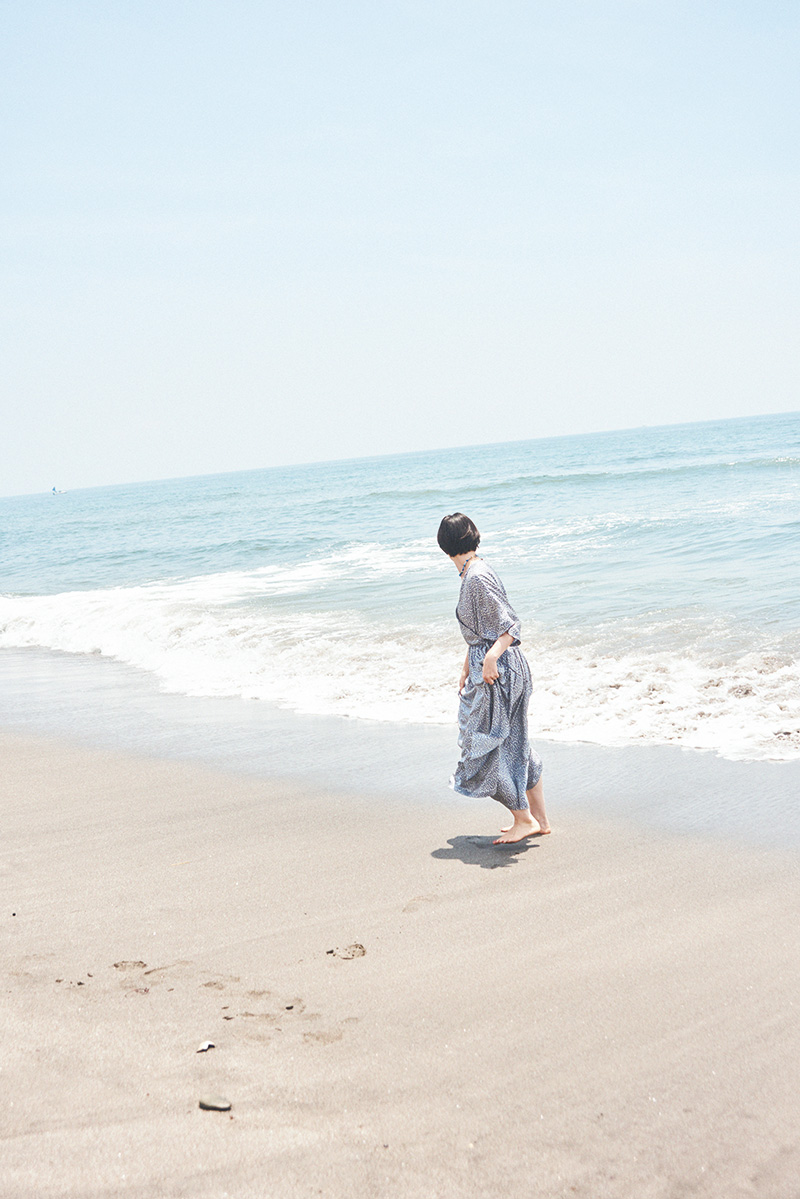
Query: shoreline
x=106, y=705
x=604, y=1012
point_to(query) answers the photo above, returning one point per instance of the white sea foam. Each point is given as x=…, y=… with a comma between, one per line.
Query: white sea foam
x=209, y=637
x=358, y=563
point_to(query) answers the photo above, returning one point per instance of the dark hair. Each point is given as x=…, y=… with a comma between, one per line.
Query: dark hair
x=458, y=535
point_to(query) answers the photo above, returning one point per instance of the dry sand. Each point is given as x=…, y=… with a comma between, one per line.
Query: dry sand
x=603, y=1012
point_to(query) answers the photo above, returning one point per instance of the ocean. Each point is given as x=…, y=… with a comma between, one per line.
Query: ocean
x=656, y=572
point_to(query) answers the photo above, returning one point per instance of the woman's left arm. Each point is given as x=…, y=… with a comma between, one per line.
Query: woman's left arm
x=490, y=671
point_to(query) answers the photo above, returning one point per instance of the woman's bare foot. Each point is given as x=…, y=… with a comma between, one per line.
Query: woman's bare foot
x=536, y=813
x=540, y=832
x=524, y=826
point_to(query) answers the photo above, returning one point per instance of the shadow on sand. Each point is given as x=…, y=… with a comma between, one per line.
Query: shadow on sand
x=479, y=851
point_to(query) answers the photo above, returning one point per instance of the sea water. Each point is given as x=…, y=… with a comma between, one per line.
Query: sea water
x=656, y=572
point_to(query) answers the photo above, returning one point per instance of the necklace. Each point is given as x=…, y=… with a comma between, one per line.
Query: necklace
x=466, y=564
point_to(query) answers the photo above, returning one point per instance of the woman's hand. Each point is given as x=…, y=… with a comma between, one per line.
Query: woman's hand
x=464, y=676
x=490, y=671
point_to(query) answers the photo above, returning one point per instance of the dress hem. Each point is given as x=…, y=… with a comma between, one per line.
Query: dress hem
x=478, y=795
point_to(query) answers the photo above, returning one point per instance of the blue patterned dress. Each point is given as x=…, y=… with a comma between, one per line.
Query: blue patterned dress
x=496, y=757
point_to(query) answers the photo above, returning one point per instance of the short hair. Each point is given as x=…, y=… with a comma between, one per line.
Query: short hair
x=458, y=535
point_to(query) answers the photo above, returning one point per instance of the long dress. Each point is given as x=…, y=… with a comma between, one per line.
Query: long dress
x=496, y=757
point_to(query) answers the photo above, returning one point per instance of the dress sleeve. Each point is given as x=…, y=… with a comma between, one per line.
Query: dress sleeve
x=492, y=614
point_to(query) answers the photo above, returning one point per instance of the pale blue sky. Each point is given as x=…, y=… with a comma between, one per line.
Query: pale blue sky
x=244, y=234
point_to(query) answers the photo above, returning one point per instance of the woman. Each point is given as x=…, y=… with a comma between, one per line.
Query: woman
x=494, y=689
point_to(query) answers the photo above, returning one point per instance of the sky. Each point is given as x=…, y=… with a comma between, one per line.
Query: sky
x=242, y=234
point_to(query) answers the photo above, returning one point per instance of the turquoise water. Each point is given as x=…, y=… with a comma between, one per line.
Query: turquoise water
x=655, y=571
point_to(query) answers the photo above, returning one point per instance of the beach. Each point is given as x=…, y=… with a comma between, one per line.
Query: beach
x=343, y=335
x=228, y=719
x=396, y=1006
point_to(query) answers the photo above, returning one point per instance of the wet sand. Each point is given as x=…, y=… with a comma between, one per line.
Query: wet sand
x=609, y=1011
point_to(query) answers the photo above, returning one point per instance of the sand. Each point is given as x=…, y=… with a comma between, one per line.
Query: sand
x=608, y=1011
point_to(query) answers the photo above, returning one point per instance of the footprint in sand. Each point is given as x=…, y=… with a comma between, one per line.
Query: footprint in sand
x=128, y=969
x=416, y=903
x=356, y=950
x=283, y=1016
x=326, y=1037
x=220, y=982
x=286, y=1008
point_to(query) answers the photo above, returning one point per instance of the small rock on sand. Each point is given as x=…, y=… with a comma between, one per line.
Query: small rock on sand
x=215, y=1103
